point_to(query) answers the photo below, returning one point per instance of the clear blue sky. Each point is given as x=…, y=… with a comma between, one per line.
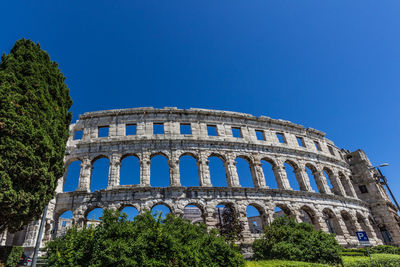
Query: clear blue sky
x=330, y=65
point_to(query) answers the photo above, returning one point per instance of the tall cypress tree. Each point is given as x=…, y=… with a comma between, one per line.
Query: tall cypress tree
x=34, y=121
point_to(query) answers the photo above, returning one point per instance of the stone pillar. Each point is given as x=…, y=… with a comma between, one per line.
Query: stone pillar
x=145, y=169
x=370, y=229
x=174, y=177
x=258, y=173
x=204, y=172
x=349, y=187
x=114, y=171
x=85, y=175
x=337, y=185
x=231, y=173
x=303, y=180
x=321, y=220
x=281, y=178
x=322, y=184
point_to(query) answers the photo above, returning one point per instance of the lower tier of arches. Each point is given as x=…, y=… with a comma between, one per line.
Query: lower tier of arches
x=330, y=213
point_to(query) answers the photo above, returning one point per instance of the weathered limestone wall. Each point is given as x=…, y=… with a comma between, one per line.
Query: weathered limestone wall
x=342, y=206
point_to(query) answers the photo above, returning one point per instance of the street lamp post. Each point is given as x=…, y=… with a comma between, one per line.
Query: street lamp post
x=382, y=179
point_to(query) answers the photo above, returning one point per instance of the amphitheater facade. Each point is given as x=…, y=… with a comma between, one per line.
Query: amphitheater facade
x=347, y=199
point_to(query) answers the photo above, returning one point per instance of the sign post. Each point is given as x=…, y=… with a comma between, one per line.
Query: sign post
x=364, y=241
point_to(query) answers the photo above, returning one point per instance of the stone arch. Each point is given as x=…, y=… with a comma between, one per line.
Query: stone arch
x=72, y=174
x=256, y=223
x=160, y=169
x=220, y=210
x=217, y=169
x=314, y=177
x=162, y=203
x=346, y=184
x=333, y=184
x=268, y=169
x=297, y=182
x=192, y=170
x=131, y=213
x=194, y=215
x=284, y=210
x=308, y=215
x=125, y=179
x=95, y=220
x=349, y=222
x=124, y=205
x=363, y=224
x=332, y=221
x=64, y=220
x=241, y=172
x=101, y=182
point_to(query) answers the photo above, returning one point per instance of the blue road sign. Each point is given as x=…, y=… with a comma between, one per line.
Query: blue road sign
x=362, y=236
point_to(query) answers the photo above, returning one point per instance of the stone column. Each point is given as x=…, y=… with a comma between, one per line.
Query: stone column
x=114, y=171
x=85, y=175
x=145, y=169
x=281, y=177
x=321, y=220
x=337, y=185
x=320, y=179
x=370, y=229
x=258, y=173
x=350, y=188
x=231, y=173
x=204, y=172
x=302, y=178
x=174, y=177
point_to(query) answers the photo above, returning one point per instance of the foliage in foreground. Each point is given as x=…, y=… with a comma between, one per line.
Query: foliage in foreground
x=230, y=226
x=9, y=256
x=282, y=263
x=378, y=260
x=34, y=121
x=288, y=240
x=144, y=242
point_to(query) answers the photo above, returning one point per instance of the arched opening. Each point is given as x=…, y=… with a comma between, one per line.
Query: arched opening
x=346, y=184
x=290, y=168
x=363, y=224
x=93, y=217
x=375, y=227
x=72, y=177
x=332, y=222
x=130, y=170
x=225, y=212
x=99, y=178
x=307, y=215
x=65, y=222
x=255, y=219
x=328, y=173
x=310, y=170
x=244, y=171
x=160, y=210
x=188, y=171
x=131, y=212
x=270, y=180
x=217, y=171
x=193, y=213
x=281, y=210
x=351, y=228
x=159, y=171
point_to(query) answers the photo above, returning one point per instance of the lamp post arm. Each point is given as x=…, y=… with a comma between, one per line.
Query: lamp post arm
x=383, y=178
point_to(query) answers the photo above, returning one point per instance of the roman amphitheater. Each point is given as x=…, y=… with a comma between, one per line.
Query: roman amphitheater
x=347, y=197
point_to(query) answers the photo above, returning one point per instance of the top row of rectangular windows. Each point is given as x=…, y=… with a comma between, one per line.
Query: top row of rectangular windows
x=185, y=129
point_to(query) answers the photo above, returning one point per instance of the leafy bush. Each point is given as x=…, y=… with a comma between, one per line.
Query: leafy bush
x=378, y=260
x=282, y=263
x=144, y=242
x=289, y=240
x=385, y=249
x=9, y=256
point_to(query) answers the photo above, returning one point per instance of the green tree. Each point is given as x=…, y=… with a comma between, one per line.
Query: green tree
x=230, y=226
x=34, y=121
x=288, y=240
x=147, y=241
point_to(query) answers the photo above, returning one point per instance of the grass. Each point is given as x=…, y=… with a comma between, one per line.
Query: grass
x=379, y=260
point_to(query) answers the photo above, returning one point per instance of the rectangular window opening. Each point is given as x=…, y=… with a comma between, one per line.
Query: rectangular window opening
x=186, y=128
x=281, y=138
x=363, y=189
x=300, y=141
x=130, y=129
x=158, y=128
x=236, y=132
x=103, y=131
x=78, y=135
x=260, y=135
x=212, y=130
x=317, y=146
x=331, y=151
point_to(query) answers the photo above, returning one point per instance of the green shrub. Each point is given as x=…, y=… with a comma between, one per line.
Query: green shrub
x=288, y=240
x=385, y=249
x=378, y=260
x=144, y=242
x=282, y=263
x=10, y=256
